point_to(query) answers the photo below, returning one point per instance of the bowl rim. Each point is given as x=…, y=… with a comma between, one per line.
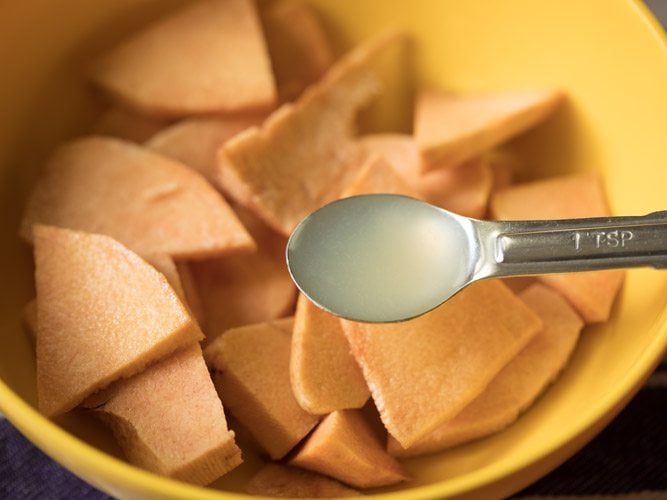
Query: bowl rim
x=35, y=426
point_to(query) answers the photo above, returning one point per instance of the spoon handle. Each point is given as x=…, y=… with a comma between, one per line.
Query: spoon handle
x=555, y=246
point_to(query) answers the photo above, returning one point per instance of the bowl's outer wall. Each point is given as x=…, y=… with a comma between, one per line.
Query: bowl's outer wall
x=608, y=55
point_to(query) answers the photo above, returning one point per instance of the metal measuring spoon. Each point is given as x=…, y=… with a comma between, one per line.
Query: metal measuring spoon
x=382, y=258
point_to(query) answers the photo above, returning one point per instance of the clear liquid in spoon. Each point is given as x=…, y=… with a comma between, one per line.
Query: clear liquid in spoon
x=379, y=257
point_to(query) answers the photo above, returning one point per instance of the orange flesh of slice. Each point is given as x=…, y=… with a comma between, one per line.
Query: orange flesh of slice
x=325, y=376
x=169, y=420
x=518, y=384
x=299, y=48
x=303, y=155
x=150, y=203
x=344, y=447
x=452, y=129
x=423, y=372
x=251, y=366
x=217, y=63
x=102, y=313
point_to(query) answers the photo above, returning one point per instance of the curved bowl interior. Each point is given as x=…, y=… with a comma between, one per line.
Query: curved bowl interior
x=608, y=55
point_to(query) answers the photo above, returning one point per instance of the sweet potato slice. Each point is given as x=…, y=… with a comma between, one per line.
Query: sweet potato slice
x=377, y=176
x=565, y=197
x=344, y=447
x=102, y=313
x=424, y=371
x=325, y=377
x=464, y=189
x=275, y=480
x=166, y=265
x=518, y=384
x=247, y=288
x=208, y=57
x=195, y=141
x=303, y=155
x=148, y=202
x=169, y=420
x=124, y=124
x=300, y=50
x=251, y=374
x=451, y=129
x=190, y=292
x=504, y=165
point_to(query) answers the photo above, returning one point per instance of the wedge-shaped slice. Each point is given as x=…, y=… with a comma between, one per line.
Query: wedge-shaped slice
x=451, y=129
x=180, y=279
x=251, y=367
x=303, y=155
x=207, y=57
x=151, y=204
x=124, y=124
x=275, y=480
x=464, y=189
x=325, y=377
x=424, y=371
x=566, y=197
x=102, y=313
x=518, y=384
x=190, y=291
x=169, y=420
x=195, y=141
x=300, y=50
x=247, y=288
x=377, y=176
x=166, y=265
x=504, y=165
x=344, y=447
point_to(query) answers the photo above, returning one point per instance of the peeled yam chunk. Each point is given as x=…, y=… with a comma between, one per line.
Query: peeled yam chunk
x=344, y=447
x=195, y=141
x=275, y=480
x=566, y=197
x=464, y=190
x=151, y=204
x=102, y=313
x=299, y=48
x=325, y=377
x=424, y=371
x=518, y=384
x=207, y=57
x=124, y=124
x=251, y=373
x=378, y=176
x=169, y=420
x=303, y=155
x=246, y=288
x=451, y=129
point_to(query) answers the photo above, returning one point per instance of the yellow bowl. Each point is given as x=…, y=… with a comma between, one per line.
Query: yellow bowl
x=609, y=55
